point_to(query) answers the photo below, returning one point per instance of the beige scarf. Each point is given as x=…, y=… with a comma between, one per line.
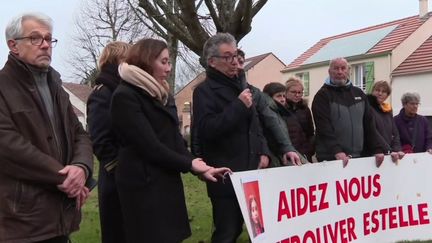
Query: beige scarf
x=140, y=78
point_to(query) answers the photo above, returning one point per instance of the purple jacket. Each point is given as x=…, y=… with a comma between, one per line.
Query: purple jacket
x=405, y=125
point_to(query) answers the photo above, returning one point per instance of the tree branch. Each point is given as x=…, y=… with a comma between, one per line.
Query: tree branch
x=257, y=7
x=190, y=17
x=155, y=27
x=182, y=35
x=214, y=15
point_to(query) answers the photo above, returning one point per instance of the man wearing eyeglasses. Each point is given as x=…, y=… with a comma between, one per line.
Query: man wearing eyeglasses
x=45, y=155
x=229, y=131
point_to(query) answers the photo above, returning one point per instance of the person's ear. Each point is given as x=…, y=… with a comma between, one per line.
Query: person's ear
x=212, y=62
x=12, y=44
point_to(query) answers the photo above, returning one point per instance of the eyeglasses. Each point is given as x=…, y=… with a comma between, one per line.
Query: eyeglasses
x=296, y=92
x=38, y=40
x=230, y=58
x=413, y=103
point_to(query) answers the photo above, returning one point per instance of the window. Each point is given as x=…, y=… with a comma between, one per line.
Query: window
x=186, y=130
x=362, y=76
x=305, y=78
x=187, y=107
x=358, y=76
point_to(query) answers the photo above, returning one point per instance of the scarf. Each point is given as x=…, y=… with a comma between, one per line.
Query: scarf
x=236, y=83
x=108, y=76
x=386, y=107
x=140, y=78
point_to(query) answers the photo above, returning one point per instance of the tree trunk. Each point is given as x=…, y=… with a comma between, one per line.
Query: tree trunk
x=172, y=43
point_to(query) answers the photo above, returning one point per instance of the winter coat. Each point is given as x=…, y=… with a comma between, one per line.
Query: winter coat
x=105, y=143
x=272, y=123
x=230, y=133
x=300, y=127
x=406, y=125
x=273, y=126
x=343, y=122
x=385, y=126
x=32, y=209
x=151, y=158
x=105, y=147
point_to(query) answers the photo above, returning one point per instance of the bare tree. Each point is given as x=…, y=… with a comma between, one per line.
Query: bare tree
x=184, y=62
x=99, y=22
x=188, y=22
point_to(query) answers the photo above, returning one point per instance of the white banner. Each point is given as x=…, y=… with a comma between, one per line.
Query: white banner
x=324, y=202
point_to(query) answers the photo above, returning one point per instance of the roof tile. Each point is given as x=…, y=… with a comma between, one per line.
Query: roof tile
x=81, y=91
x=405, y=28
x=418, y=62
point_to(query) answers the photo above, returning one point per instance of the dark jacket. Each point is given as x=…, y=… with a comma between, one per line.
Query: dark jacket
x=385, y=126
x=300, y=127
x=273, y=125
x=32, y=208
x=230, y=133
x=406, y=125
x=105, y=147
x=343, y=122
x=151, y=157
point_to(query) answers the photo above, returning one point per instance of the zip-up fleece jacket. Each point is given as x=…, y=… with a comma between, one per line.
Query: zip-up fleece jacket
x=343, y=122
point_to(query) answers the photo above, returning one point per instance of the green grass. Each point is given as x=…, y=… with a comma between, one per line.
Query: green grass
x=90, y=228
x=199, y=209
x=198, y=204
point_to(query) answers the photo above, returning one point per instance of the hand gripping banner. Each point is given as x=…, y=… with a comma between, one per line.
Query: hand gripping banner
x=326, y=203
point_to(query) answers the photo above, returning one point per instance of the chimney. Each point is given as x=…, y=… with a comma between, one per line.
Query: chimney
x=423, y=8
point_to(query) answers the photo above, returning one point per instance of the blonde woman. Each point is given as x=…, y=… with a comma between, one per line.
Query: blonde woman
x=105, y=144
x=301, y=129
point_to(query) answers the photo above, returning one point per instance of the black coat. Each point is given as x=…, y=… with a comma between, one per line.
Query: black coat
x=298, y=118
x=273, y=127
x=385, y=126
x=105, y=147
x=230, y=133
x=152, y=155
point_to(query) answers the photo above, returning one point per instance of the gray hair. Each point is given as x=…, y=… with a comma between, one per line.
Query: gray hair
x=14, y=27
x=211, y=46
x=410, y=97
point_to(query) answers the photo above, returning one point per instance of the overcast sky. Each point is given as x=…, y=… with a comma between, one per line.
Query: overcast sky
x=285, y=27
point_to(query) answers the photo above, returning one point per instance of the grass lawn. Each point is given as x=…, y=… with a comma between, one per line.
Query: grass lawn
x=199, y=208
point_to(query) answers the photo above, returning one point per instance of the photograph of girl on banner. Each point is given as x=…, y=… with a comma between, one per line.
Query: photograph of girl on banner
x=254, y=215
x=253, y=201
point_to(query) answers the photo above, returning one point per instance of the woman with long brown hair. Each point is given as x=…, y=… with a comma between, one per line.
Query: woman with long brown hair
x=152, y=151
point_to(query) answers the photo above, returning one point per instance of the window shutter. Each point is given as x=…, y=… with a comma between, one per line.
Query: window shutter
x=306, y=83
x=369, y=66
